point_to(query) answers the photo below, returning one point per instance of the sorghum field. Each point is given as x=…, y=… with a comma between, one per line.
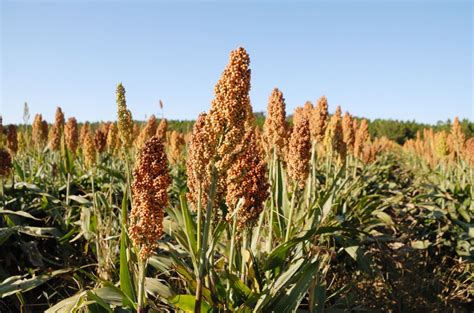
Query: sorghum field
x=305, y=212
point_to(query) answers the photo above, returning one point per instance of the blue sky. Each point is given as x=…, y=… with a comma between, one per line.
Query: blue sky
x=401, y=60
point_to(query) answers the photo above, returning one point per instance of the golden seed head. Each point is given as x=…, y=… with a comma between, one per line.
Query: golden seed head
x=84, y=132
x=458, y=136
x=334, y=138
x=247, y=180
x=39, y=132
x=12, y=139
x=149, y=191
x=176, y=144
x=148, y=131
x=161, y=130
x=369, y=153
x=89, y=151
x=276, y=128
x=229, y=110
x=348, y=131
x=112, y=138
x=361, y=138
x=441, y=144
x=5, y=162
x=125, y=121
x=71, y=135
x=319, y=120
x=197, y=163
x=55, y=138
x=21, y=141
x=469, y=151
x=59, y=119
x=299, y=151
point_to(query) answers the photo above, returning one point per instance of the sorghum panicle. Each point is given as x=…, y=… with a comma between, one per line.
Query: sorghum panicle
x=275, y=128
x=197, y=163
x=348, y=131
x=362, y=136
x=71, y=135
x=149, y=191
x=319, y=120
x=125, y=121
x=247, y=180
x=333, y=139
x=299, y=151
x=161, y=130
x=89, y=151
x=12, y=139
x=5, y=162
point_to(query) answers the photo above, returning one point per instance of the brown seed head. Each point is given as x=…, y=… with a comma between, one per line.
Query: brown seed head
x=299, y=151
x=71, y=135
x=59, y=119
x=100, y=140
x=197, y=163
x=247, y=180
x=90, y=154
x=5, y=162
x=55, y=138
x=12, y=139
x=149, y=192
x=319, y=120
x=334, y=139
x=276, y=128
x=39, y=132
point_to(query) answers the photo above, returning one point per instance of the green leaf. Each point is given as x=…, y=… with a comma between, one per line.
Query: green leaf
x=40, y=231
x=420, y=244
x=68, y=305
x=156, y=288
x=92, y=296
x=187, y=303
x=125, y=277
x=6, y=232
x=190, y=226
x=291, y=300
x=80, y=199
x=19, y=213
x=384, y=217
x=16, y=284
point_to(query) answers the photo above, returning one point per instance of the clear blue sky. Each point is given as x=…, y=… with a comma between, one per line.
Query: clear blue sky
x=402, y=60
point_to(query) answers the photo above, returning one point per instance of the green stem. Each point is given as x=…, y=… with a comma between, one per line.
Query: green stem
x=98, y=223
x=290, y=216
x=199, y=219
x=205, y=238
x=231, y=253
x=272, y=202
x=2, y=190
x=243, y=272
x=141, y=286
